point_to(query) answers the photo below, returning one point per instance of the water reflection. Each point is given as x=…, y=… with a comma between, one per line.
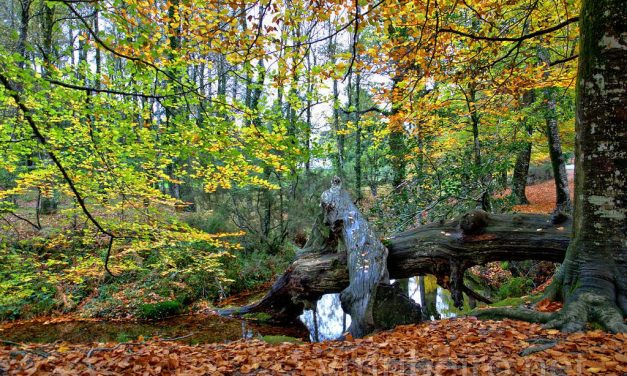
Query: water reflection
x=190, y=329
x=329, y=321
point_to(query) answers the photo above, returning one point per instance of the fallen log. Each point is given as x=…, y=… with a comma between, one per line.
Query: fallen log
x=444, y=249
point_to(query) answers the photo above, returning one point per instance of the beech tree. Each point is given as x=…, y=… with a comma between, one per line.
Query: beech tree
x=593, y=278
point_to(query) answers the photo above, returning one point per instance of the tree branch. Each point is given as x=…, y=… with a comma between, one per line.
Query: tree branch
x=106, y=91
x=564, y=60
x=511, y=39
x=42, y=140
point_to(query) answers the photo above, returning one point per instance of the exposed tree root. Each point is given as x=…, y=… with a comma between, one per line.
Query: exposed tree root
x=519, y=313
x=589, y=307
x=586, y=308
x=538, y=348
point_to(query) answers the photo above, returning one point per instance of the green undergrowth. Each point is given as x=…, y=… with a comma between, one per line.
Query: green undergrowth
x=258, y=316
x=43, y=276
x=511, y=302
x=161, y=310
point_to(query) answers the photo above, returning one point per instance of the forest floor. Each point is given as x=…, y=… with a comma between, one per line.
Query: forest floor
x=541, y=196
x=462, y=346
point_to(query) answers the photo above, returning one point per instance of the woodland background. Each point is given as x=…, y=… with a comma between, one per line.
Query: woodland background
x=182, y=145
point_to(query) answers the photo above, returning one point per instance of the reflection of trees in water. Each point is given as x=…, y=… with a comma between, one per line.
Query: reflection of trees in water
x=329, y=321
x=425, y=291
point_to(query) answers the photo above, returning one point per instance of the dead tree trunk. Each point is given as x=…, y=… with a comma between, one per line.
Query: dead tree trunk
x=366, y=257
x=444, y=250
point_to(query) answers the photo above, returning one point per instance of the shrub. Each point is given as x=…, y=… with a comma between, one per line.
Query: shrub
x=160, y=310
x=515, y=287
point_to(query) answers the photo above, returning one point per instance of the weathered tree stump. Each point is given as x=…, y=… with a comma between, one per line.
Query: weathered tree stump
x=367, y=266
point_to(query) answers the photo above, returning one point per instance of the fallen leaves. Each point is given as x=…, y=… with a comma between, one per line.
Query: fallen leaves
x=447, y=347
x=546, y=305
x=541, y=196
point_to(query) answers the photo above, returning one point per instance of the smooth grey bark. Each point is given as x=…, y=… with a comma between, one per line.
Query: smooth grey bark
x=593, y=278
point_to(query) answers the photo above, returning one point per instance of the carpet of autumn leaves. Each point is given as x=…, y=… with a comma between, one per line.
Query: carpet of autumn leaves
x=464, y=346
x=541, y=196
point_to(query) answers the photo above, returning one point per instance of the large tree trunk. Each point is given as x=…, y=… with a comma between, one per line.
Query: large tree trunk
x=445, y=250
x=593, y=278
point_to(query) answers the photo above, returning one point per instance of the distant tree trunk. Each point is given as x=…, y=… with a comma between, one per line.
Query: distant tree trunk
x=358, y=146
x=474, y=118
x=523, y=158
x=310, y=88
x=337, y=127
x=23, y=31
x=557, y=157
x=558, y=165
x=593, y=278
x=339, y=137
x=397, y=142
x=175, y=41
x=98, y=57
x=48, y=203
x=482, y=181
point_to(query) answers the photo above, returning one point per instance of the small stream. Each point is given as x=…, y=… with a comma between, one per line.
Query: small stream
x=189, y=329
x=328, y=322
